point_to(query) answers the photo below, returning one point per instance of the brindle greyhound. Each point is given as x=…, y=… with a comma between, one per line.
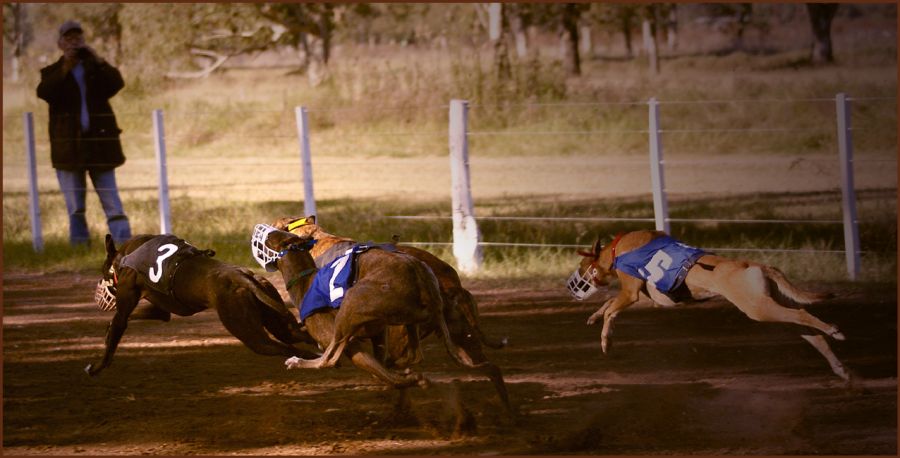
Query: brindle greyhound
x=392, y=289
x=755, y=289
x=459, y=300
x=247, y=304
x=460, y=312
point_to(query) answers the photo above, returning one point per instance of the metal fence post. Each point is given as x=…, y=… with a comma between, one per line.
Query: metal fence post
x=466, y=237
x=309, y=199
x=660, y=204
x=848, y=193
x=37, y=236
x=159, y=136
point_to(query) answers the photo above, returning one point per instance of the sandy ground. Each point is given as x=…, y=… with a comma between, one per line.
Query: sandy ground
x=702, y=379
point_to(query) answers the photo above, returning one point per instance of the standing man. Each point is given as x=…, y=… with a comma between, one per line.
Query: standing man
x=84, y=135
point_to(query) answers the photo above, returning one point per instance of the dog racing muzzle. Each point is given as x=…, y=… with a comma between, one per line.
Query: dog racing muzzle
x=105, y=293
x=265, y=256
x=582, y=287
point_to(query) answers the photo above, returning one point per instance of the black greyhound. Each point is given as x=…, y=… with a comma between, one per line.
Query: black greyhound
x=175, y=277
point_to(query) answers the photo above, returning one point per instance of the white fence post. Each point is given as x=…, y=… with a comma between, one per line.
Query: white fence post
x=466, y=237
x=309, y=199
x=37, y=236
x=159, y=136
x=660, y=204
x=848, y=194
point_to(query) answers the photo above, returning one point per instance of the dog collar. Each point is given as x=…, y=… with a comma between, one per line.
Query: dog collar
x=612, y=247
x=299, y=277
x=298, y=223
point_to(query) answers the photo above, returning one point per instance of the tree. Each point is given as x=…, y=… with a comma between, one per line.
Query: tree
x=820, y=17
x=570, y=14
x=18, y=34
x=499, y=35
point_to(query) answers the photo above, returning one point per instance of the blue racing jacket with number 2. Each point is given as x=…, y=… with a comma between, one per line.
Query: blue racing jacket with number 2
x=663, y=262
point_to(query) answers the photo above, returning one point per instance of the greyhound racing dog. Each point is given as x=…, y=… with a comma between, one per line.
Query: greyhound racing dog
x=669, y=272
x=392, y=289
x=175, y=277
x=460, y=308
x=459, y=300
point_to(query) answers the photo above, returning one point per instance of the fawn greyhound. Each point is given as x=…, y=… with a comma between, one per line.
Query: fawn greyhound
x=669, y=272
x=175, y=277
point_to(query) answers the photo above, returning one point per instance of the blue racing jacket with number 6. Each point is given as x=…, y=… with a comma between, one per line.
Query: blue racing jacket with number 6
x=663, y=262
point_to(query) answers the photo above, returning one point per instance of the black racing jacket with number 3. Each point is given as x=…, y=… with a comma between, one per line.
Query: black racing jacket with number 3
x=157, y=260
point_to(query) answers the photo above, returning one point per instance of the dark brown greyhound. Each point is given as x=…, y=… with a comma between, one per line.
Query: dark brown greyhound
x=393, y=289
x=175, y=277
x=460, y=311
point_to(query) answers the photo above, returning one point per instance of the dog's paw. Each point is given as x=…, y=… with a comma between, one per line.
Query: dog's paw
x=292, y=363
x=836, y=334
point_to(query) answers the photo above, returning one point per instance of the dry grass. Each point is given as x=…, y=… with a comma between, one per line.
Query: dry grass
x=379, y=138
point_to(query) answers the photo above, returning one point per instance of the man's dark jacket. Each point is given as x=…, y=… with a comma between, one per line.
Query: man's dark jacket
x=71, y=149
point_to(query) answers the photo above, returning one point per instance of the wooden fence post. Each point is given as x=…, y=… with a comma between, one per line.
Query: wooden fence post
x=159, y=136
x=466, y=237
x=37, y=236
x=848, y=193
x=309, y=199
x=660, y=204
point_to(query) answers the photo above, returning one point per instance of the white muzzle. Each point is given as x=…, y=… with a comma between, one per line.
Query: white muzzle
x=265, y=256
x=105, y=295
x=582, y=287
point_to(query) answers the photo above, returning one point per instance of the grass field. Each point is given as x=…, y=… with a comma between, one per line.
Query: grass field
x=541, y=145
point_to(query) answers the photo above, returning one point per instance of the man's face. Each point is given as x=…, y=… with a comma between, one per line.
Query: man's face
x=70, y=42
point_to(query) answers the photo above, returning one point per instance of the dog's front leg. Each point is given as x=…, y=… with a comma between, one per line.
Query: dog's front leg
x=600, y=312
x=126, y=301
x=627, y=295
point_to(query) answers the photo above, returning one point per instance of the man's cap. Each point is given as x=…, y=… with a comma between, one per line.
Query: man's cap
x=69, y=26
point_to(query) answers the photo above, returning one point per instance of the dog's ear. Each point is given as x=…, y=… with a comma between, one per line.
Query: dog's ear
x=311, y=219
x=598, y=245
x=110, y=245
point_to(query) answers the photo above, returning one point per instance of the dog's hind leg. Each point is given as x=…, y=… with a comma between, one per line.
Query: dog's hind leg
x=150, y=312
x=368, y=363
x=285, y=329
x=473, y=347
x=749, y=291
x=819, y=343
x=241, y=316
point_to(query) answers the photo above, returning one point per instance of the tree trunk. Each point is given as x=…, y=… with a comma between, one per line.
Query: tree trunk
x=498, y=33
x=650, y=45
x=521, y=37
x=587, y=43
x=820, y=18
x=625, y=25
x=672, y=28
x=570, y=36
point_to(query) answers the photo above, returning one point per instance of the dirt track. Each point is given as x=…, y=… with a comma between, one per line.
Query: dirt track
x=697, y=380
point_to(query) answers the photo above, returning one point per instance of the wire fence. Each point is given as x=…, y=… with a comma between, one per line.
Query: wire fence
x=288, y=170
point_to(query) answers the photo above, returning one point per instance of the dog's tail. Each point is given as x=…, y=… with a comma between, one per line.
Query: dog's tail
x=431, y=296
x=788, y=290
x=465, y=303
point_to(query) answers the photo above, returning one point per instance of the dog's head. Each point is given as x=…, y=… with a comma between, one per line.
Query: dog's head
x=105, y=293
x=269, y=244
x=590, y=274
